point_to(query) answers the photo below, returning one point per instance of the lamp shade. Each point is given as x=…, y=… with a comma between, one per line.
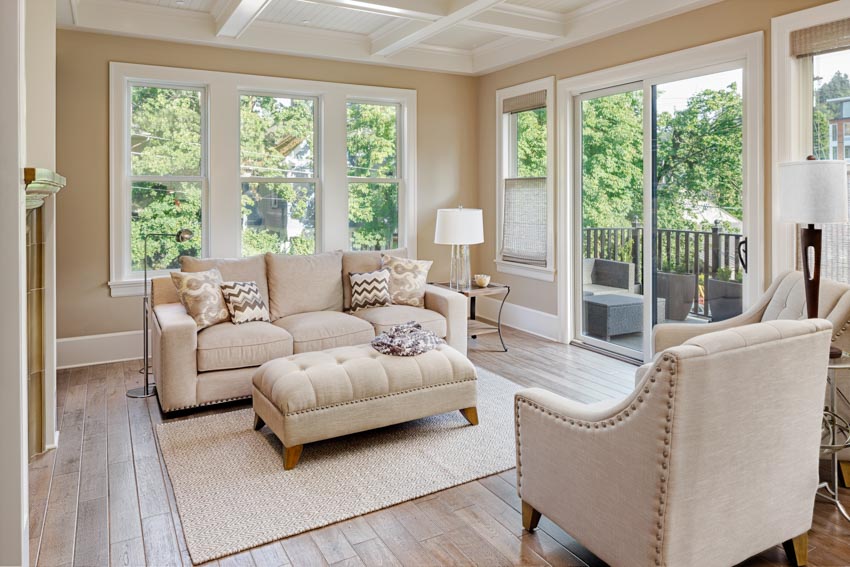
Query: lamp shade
x=813, y=191
x=459, y=226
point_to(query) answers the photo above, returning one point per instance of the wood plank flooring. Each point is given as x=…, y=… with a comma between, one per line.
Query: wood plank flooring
x=104, y=497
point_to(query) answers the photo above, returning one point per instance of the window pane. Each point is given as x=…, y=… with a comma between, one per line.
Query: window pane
x=373, y=215
x=831, y=140
x=372, y=140
x=278, y=218
x=530, y=142
x=164, y=208
x=165, y=131
x=277, y=136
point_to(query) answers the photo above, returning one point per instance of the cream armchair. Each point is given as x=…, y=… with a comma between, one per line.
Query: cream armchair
x=711, y=460
x=784, y=299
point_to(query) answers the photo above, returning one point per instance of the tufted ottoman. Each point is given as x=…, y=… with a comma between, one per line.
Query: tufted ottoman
x=319, y=395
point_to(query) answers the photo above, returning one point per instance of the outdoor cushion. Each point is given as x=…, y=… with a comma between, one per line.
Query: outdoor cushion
x=320, y=330
x=251, y=269
x=227, y=345
x=382, y=318
x=301, y=284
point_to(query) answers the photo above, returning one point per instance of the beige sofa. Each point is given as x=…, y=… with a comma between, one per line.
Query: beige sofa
x=309, y=299
x=711, y=460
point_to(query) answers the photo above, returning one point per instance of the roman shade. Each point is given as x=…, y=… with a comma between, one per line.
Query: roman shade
x=524, y=228
x=832, y=36
x=523, y=102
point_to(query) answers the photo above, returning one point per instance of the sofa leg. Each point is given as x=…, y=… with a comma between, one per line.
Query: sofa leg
x=291, y=456
x=844, y=473
x=530, y=516
x=797, y=550
x=471, y=415
x=258, y=422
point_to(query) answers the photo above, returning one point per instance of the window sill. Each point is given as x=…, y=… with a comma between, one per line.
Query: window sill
x=127, y=288
x=533, y=272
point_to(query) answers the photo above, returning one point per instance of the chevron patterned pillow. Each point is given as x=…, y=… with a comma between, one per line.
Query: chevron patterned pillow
x=370, y=289
x=244, y=302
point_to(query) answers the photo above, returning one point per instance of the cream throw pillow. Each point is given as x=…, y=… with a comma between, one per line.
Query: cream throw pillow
x=407, y=279
x=200, y=294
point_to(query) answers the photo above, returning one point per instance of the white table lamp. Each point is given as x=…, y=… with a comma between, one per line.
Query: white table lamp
x=459, y=227
x=812, y=192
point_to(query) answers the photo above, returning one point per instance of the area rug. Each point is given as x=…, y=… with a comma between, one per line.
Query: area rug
x=233, y=494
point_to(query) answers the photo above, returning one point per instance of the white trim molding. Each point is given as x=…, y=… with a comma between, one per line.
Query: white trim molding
x=531, y=321
x=790, y=114
x=99, y=349
x=504, y=154
x=220, y=174
x=745, y=52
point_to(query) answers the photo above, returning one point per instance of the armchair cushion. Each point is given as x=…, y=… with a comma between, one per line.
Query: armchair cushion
x=322, y=330
x=227, y=345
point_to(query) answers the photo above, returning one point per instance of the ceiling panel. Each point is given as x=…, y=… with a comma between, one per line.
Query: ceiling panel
x=299, y=13
x=194, y=5
x=461, y=38
x=561, y=6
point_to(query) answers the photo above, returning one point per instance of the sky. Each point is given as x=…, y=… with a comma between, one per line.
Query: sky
x=675, y=95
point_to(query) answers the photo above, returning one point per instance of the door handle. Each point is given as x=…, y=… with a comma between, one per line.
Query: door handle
x=742, y=253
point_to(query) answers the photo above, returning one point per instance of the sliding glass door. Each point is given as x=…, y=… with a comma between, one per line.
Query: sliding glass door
x=661, y=198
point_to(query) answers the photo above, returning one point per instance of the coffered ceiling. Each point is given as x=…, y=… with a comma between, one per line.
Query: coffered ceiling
x=457, y=36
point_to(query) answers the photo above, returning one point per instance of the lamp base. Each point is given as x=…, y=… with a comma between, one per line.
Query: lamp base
x=142, y=392
x=461, y=276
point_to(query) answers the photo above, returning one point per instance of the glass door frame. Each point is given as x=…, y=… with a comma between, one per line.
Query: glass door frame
x=746, y=53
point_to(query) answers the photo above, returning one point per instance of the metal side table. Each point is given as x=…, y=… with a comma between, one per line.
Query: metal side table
x=836, y=435
x=475, y=327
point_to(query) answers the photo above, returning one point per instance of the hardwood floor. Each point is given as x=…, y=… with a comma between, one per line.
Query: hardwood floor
x=104, y=496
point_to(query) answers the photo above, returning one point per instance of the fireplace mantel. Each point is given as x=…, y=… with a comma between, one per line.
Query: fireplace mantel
x=41, y=183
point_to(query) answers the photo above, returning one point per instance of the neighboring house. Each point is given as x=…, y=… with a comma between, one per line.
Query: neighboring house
x=839, y=131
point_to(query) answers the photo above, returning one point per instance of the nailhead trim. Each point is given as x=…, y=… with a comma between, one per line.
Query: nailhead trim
x=668, y=431
x=207, y=404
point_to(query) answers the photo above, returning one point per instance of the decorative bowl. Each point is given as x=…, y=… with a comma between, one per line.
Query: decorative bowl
x=481, y=280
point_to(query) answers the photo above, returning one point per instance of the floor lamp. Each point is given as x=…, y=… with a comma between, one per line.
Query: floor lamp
x=812, y=192
x=459, y=227
x=148, y=390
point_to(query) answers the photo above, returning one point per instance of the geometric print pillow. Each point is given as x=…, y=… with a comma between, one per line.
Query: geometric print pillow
x=407, y=279
x=244, y=302
x=369, y=289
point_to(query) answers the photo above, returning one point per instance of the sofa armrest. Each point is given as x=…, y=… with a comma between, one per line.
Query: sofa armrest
x=453, y=306
x=578, y=462
x=174, y=342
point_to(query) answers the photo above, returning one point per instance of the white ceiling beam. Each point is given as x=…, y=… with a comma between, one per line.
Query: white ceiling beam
x=422, y=10
x=236, y=15
x=417, y=32
x=168, y=24
x=517, y=24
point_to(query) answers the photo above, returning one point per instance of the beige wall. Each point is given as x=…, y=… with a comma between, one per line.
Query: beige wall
x=716, y=22
x=447, y=137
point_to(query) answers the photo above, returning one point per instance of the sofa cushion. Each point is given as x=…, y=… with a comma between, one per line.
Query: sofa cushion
x=251, y=269
x=303, y=284
x=320, y=330
x=382, y=318
x=227, y=345
x=367, y=261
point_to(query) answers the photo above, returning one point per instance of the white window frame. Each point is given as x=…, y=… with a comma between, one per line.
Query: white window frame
x=791, y=117
x=221, y=209
x=504, y=153
x=745, y=52
x=399, y=179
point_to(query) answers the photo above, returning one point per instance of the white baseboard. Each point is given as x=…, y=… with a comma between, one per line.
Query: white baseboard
x=98, y=349
x=55, y=443
x=523, y=318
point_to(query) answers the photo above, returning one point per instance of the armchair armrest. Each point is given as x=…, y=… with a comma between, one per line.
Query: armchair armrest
x=453, y=307
x=174, y=343
x=577, y=463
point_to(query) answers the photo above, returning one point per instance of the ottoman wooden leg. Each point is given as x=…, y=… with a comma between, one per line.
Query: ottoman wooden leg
x=258, y=422
x=844, y=472
x=797, y=550
x=291, y=456
x=471, y=415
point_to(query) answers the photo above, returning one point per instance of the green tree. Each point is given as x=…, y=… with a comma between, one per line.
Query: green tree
x=531, y=143
x=372, y=153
